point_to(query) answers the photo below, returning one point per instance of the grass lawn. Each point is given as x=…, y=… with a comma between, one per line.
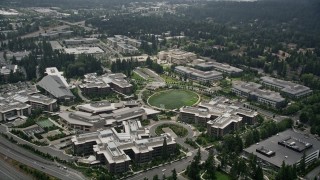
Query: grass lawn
x=45, y=123
x=173, y=99
x=222, y=176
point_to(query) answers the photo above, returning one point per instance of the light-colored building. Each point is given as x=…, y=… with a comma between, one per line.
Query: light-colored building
x=177, y=56
x=93, y=84
x=6, y=70
x=11, y=109
x=100, y=115
x=252, y=91
x=224, y=68
x=17, y=100
x=288, y=88
x=84, y=50
x=219, y=116
x=198, y=75
x=124, y=44
x=117, y=149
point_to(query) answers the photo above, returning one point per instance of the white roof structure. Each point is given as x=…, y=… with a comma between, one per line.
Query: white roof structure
x=112, y=144
x=84, y=50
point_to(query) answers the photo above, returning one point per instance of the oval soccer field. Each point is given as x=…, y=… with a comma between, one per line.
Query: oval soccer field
x=173, y=99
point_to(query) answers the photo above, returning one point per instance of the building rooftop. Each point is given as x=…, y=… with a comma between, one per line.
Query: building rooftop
x=55, y=86
x=198, y=73
x=84, y=50
x=288, y=147
x=220, y=66
x=287, y=86
x=112, y=144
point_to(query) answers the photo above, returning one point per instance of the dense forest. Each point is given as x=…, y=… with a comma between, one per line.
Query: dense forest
x=43, y=56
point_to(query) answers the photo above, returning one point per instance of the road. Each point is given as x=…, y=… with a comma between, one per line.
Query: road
x=313, y=173
x=10, y=173
x=45, y=149
x=23, y=156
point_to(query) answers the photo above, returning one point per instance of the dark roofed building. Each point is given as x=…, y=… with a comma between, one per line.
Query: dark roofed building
x=53, y=85
x=287, y=147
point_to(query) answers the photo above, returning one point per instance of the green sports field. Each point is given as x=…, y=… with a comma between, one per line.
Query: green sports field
x=173, y=99
x=45, y=123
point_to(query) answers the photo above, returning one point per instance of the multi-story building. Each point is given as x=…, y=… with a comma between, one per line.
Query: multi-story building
x=224, y=68
x=288, y=88
x=252, y=91
x=177, y=56
x=198, y=75
x=218, y=116
x=117, y=149
x=17, y=100
x=37, y=101
x=11, y=109
x=101, y=115
x=94, y=84
x=124, y=44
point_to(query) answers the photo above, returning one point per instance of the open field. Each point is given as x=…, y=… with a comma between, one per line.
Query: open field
x=173, y=99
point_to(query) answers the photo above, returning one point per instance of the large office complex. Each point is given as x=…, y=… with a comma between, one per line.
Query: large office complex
x=17, y=101
x=93, y=84
x=288, y=88
x=124, y=44
x=224, y=68
x=117, y=149
x=218, y=116
x=252, y=91
x=100, y=115
x=177, y=56
x=287, y=147
x=198, y=75
x=84, y=50
x=56, y=85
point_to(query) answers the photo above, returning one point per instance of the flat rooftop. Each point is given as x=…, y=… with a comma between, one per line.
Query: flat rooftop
x=288, y=87
x=84, y=50
x=288, y=147
x=198, y=73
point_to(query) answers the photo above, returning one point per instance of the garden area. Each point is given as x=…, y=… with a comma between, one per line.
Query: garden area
x=178, y=130
x=173, y=99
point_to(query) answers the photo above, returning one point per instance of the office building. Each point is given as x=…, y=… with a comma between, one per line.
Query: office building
x=198, y=75
x=219, y=116
x=253, y=92
x=288, y=88
x=288, y=147
x=224, y=68
x=93, y=84
x=116, y=149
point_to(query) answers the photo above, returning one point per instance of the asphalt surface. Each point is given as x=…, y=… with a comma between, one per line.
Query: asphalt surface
x=23, y=156
x=45, y=149
x=7, y=172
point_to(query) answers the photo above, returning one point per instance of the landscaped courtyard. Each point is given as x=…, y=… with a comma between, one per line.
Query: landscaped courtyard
x=173, y=99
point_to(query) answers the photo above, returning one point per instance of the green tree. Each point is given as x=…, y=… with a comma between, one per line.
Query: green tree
x=210, y=167
x=155, y=177
x=174, y=174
